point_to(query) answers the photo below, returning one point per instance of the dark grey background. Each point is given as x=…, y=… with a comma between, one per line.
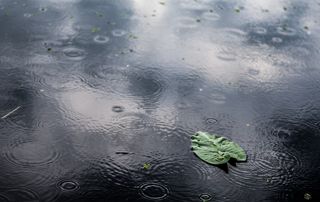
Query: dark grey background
x=107, y=86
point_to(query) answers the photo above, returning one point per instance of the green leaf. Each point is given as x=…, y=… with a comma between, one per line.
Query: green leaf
x=95, y=29
x=215, y=149
x=146, y=166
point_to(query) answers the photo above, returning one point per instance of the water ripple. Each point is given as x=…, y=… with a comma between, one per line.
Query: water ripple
x=267, y=170
x=118, y=32
x=74, y=53
x=186, y=23
x=286, y=31
x=19, y=194
x=30, y=153
x=154, y=191
x=147, y=85
x=211, y=16
x=101, y=39
x=67, y=185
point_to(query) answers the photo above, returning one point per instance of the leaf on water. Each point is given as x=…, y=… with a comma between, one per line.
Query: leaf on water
x=95, y=29
x=146, y=166
x=215, y=149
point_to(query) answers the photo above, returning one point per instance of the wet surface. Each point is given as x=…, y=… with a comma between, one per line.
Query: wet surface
x=99, y=99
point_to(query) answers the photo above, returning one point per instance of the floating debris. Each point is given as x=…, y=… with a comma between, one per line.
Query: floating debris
x=132, y=36
x=95, y=29
x=99, y=14
x=11, y=112
x=146, y=166
x=215, y=149
x=307, y=196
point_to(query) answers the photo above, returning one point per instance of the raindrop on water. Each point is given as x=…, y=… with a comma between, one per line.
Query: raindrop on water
x=43, y=9
x=117, y=109
x=260, y=30
x=253, y=72
x=74, y=53
x=286, y=31
x=101, y=39
x=205, y=197
x=276, y=40
x=68, y=185
x=211, y=121
x=118, y=32
x=187, y=22
x=211, y=16
x=154, y=191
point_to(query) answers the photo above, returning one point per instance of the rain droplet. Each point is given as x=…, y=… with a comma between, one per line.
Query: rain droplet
x=117, y=109
x=205, y=197
x=253, y=72
x=74, y=53
x=286, y=31
x=43, y=9
x=101, y=39
x=276, y=40
x=211, y=121
x=68, y=185
x=154, y=191
x=118, y=32
x=187, y=22
x=211, y=16
x=260, y=30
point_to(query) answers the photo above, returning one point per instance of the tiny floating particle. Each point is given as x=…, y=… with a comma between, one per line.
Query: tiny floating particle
x=132, y=36
x=146, y=166
x=99, y=14
x=95, y=29
x=307, y=196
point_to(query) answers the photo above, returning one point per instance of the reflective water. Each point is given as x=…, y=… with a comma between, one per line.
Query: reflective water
x=99, y=99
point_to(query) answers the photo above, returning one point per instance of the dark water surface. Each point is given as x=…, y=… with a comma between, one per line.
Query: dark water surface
x=99, y=99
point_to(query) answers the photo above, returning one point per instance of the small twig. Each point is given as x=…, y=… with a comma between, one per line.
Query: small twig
x=13, y=111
